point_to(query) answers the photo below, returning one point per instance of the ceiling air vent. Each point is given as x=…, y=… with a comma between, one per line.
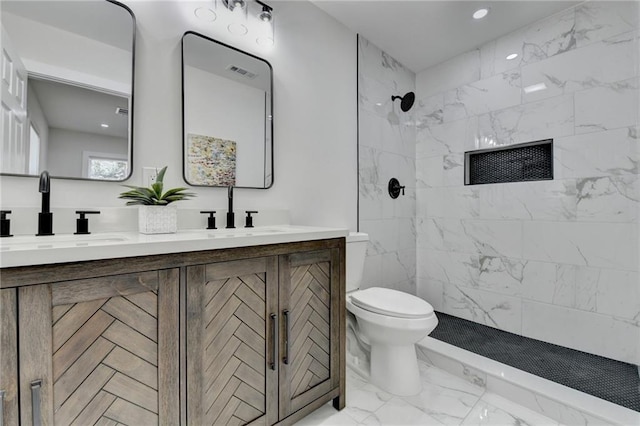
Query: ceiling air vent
x=242, y=72
x=122, y=111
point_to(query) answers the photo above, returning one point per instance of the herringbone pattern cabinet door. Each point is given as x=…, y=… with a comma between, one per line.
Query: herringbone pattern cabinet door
x=229, y=322
x=105, y=350
x=308, y=295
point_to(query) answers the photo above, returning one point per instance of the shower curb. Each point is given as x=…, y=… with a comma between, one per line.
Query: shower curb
x=556, y=401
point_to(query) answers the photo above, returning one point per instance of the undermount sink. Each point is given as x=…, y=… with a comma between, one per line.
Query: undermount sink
x=25, y=242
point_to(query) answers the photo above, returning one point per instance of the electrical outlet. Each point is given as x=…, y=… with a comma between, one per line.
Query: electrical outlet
x=149, y=175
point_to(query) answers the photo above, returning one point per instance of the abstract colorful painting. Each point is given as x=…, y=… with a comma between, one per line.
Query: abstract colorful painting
x=210, y=161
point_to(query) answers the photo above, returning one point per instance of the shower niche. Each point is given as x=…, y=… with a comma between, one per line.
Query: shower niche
x=524, y=162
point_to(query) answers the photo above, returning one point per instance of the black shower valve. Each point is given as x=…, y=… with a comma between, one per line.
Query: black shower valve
x=395, y=188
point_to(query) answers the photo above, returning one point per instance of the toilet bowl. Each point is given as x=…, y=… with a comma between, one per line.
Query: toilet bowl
x=389, y=323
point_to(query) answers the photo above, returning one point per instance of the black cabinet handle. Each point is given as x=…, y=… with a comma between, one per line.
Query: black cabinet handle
x=285, y=358
x=274, y=342
x=36, y=385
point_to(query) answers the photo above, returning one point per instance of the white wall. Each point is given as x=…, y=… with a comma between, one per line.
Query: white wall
x=66, y=148
x=314, y=62
x=39, y=121
x=552, y=260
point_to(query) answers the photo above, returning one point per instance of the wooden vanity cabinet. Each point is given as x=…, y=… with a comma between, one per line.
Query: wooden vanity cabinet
x=100, y=350
x=239, y=336
x=263, y=337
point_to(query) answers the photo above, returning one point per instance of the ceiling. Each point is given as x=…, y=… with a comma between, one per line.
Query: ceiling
x=420, y=34
x=79, y=109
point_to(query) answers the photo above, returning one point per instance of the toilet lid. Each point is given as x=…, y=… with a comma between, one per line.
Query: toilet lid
x=391, y=302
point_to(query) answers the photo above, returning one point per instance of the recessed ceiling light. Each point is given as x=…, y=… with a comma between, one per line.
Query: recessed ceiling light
x=512, y=56
x=104, y=125
x=205, y=14
x=480, y=13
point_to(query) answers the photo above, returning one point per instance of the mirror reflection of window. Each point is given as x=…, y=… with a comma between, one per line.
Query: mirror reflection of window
x=105, y=168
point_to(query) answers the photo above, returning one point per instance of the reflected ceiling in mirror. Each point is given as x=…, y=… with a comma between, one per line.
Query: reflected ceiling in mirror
x=67, y=89
x=227, y=115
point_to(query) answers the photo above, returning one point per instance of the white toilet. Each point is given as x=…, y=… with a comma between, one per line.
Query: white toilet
x=388, y=323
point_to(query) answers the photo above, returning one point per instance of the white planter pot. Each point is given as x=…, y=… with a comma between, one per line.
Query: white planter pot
x=158, y=219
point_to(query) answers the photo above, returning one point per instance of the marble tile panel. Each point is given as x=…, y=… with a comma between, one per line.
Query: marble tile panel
x=430, y=233
x=540, y=200
x=550, y=118
x=444, y=396
x=607, y=153
x=598, y=334
x=452, y=366
x=493, y=409
x=399, y=412
x=483, y=96
x=424, y=199
x=374, y=97
x=553, y=409
x=431, y=291
x=372, y=275
x=447, y=138
x=368, y=165
x=429, y=111
x=495, y=310
x=605, y=245
x=455, y=235
x=552, y=283
x=546, y=38
x=391, y=164
x=382, y=236
x=405, y=205
x=378, y=65
x=429, y=172
x=398, y=267
x=602, y=64
x=370, y=130
x=495, y=238
x=457, y=202
x=328, y=416
x=608, y=199
x=605, y=108
x=599, y=20
x=372, y=203
x=609, y=292
x=364, y=401
x=406, y=233
x=449, y=267
x=458, y=71
x=453, y=170
x=501, y=275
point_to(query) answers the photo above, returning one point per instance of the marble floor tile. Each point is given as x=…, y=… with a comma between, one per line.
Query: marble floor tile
x=445, y=400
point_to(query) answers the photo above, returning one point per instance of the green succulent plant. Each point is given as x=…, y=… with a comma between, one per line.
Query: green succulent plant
x=153, y=196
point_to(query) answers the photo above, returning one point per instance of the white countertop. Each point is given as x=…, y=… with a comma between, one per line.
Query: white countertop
x=32, y=250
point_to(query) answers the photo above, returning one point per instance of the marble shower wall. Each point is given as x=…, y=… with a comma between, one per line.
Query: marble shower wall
x=553, y=260
x=386, y=149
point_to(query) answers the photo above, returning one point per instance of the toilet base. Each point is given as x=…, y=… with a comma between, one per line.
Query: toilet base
x=394, y=369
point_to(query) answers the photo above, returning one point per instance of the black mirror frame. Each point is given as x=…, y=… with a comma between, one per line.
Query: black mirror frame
x=183, y=110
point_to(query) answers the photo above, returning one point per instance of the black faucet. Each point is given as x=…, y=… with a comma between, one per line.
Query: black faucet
x=230, y=215
x=45, y=217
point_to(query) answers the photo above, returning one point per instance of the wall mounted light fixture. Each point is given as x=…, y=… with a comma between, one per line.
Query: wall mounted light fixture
x=252, y=17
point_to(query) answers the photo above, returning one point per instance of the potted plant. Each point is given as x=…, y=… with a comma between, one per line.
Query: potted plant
x=157, y=214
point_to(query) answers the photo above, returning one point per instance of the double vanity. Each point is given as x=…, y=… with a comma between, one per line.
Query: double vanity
x=198, y=327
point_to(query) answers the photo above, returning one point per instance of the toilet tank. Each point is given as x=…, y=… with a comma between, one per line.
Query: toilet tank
x=357, y=243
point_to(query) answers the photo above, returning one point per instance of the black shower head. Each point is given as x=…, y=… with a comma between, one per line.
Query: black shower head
x=406, y=101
